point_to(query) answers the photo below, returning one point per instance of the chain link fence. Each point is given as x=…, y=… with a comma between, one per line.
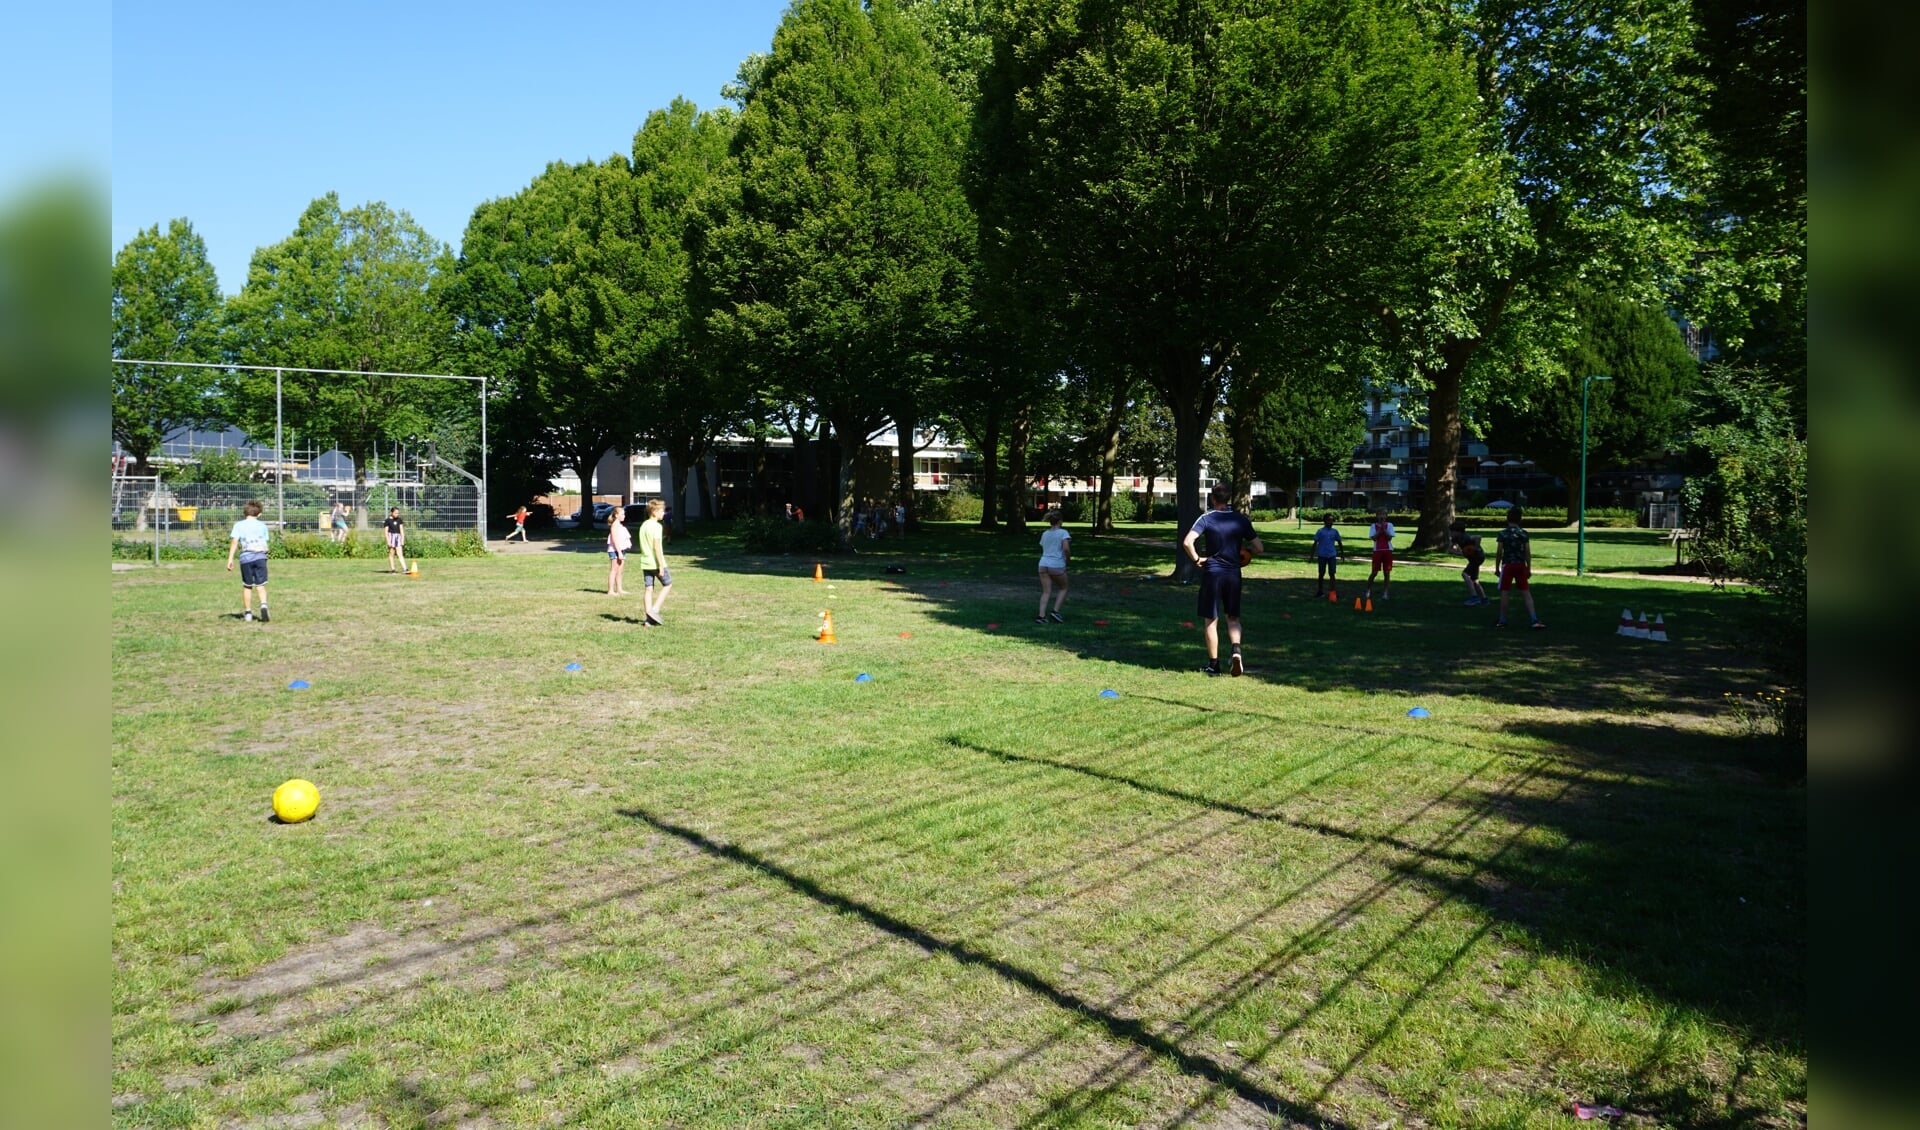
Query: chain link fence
x=199, y=514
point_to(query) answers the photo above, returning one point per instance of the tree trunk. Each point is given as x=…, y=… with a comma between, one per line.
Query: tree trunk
x=903, y=425
x=843, y=494
x=1109, y=458
x=1443, y=450
x=1153, y=478
x=683, y=465
x=990, y=472
x=1192, y=392
x=1240, y=431
x=759, y=493
x=704, y=481
x=806, y=457
x=1018, y=489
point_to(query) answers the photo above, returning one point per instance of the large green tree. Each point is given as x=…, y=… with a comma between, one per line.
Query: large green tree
x=686, y=390
x=353, y=290
x=1585, y=116
x=840, y=266
x=1168, y=175
x=1635, y=413
x=166, y=307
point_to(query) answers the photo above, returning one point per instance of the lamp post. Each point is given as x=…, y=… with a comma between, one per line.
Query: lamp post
x=1580, y=553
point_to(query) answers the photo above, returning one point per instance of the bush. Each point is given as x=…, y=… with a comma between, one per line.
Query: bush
x=540, y=516
x=372, y=544
x=1123, y=507
x=766, y=533
x=956, y=504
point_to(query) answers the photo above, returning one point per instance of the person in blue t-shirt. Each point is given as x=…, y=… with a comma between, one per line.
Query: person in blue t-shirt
x=1231, y=543
x=1326, y=551
x=249, y=540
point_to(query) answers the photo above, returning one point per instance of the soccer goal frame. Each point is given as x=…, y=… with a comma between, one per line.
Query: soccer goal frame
x=279, y=458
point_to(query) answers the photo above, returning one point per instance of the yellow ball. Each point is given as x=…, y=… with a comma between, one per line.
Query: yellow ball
x=296, y=801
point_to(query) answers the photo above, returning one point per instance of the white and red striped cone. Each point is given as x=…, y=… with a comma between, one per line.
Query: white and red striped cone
x=1643, y=631
x=1626, y=623
x=1659, y=629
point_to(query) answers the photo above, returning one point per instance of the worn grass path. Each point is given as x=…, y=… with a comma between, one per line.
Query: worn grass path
x=712, y=880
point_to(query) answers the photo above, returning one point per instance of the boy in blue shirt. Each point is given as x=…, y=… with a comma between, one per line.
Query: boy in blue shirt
x=1326, y=551
x=249, y=541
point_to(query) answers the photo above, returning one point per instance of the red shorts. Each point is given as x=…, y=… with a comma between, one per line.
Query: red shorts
x=1383, y=560
x=1514, y=576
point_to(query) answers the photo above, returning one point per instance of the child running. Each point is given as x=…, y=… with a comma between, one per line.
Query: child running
x=1514, y=559
x=653, y=561
x=1381, y=533
x=619, y=540
x=519, y=525
x=1055, y=549
x=1326, y=552
x=249, y=540
x=1469, y=546
x=396, y=541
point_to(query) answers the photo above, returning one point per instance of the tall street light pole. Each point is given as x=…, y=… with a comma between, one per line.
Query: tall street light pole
x=1580, y=554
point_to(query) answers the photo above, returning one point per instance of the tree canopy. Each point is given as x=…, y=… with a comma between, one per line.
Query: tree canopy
x=1166, y=177
x=166, y=307
x=354, y=290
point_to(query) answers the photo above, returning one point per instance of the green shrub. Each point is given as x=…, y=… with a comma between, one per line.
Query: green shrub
x=956, y=504
x=766, y=533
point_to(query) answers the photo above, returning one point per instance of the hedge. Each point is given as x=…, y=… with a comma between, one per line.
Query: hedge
x=364, y=544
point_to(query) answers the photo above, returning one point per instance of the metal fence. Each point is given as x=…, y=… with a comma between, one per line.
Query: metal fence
x=203, y=513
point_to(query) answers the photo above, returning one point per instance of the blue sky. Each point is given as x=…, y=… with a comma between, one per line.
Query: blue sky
x=237, y=115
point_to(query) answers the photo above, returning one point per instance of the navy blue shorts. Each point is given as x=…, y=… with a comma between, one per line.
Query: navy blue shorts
x=1219, y=593
x=253, y=573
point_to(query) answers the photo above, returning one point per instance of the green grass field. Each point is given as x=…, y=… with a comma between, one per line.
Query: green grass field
x=710, y=880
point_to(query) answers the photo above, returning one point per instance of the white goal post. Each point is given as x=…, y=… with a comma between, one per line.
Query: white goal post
x=279, y=463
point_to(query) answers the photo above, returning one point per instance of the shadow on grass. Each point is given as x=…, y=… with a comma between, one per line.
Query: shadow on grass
x=1124, y=1028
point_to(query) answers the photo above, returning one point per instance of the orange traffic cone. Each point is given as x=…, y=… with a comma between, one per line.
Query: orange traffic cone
x=1369, y=604
x=413, y=570
x=826, y=627
x=1356, y=604
x=818, y=576
x=1333, y=596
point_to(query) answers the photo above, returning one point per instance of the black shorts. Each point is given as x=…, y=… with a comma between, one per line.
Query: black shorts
x=1219, y=592
x=1472, y=570
x=253, y=573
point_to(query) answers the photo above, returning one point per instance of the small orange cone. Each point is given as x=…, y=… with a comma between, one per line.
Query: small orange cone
x=826, y=627
x=818, y=576
x=1333, y=596
x=1356, y=604
x=1369, y=604
x=413, y=570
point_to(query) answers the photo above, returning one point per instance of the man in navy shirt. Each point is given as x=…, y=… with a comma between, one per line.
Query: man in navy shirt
x=1231, y=542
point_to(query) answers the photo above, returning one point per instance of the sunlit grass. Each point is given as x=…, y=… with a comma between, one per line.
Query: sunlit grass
x=712, y=880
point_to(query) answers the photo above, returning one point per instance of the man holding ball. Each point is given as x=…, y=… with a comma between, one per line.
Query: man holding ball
x=1231, y=543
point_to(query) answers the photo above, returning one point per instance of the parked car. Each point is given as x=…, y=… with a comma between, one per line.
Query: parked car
x=600, y=512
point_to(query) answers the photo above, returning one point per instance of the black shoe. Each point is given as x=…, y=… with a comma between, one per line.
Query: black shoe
x=1056, y=617
x=1039, y=619
x=1235, y=667
x=263, y=614
x=1210, y=671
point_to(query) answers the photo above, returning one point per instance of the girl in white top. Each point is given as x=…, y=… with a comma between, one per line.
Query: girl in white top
x=1054, y=553
x=619, y=540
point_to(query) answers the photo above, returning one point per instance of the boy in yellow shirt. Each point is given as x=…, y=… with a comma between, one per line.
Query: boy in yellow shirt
x=653, y=561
